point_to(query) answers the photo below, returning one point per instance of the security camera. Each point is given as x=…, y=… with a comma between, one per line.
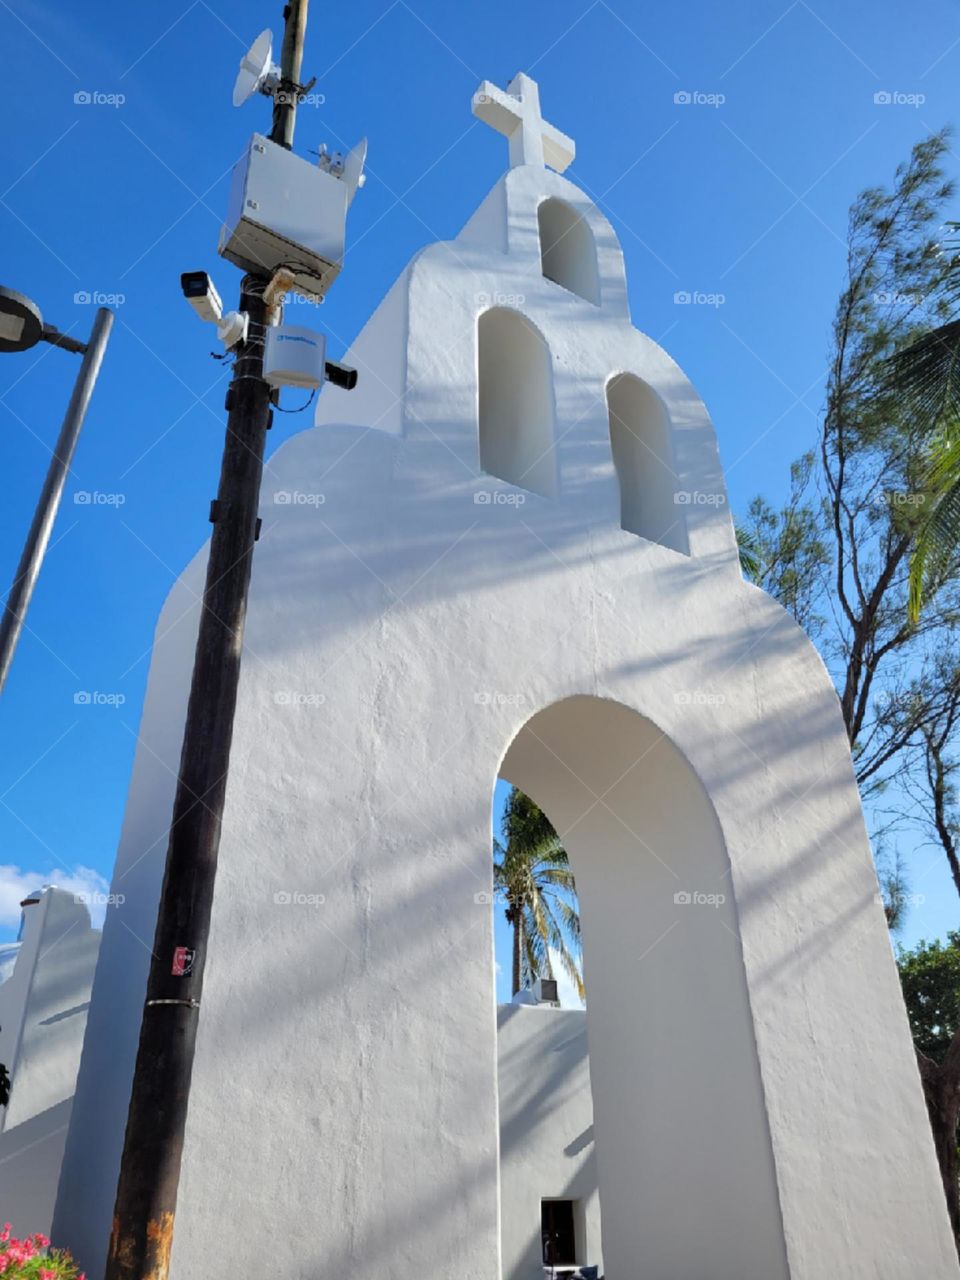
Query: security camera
x=200, y=291
x=233, y=328
x=341, y=375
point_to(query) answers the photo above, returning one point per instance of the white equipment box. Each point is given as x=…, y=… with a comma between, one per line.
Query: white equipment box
x=284, y=211
x=294, y=356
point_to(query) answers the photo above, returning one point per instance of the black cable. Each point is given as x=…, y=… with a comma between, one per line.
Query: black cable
x=313, y=396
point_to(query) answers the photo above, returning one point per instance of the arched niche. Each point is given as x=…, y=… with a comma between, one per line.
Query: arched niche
x=650, y=504
x=567, y=251
x=515, y=402
x=684, y=1160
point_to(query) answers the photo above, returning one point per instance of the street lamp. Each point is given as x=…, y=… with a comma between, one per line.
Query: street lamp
x=22, y=327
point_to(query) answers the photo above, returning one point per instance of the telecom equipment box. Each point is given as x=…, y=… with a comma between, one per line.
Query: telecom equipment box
x=293, y=356
x=284, y=211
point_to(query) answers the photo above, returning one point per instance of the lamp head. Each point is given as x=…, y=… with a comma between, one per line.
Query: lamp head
x=21, y=324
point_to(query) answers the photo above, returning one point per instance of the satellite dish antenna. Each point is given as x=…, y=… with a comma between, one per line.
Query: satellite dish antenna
x=353, y=174
x=258, y=71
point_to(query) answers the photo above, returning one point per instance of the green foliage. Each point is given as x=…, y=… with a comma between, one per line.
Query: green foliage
x=751, y=553
x=907, y=389
x=786, y=550
x=525, y=825
x=837, y=552
x=33, y=1259
x=930, y=977
x=894, y=891
x=925, y=376
x=532, y=875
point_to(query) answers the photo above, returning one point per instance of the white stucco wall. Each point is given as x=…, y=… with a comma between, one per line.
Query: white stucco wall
x=43, y=1011
x=547, y=1147
x=403, y=641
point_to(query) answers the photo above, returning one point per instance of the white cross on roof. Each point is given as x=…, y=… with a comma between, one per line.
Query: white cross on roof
x=516, y=114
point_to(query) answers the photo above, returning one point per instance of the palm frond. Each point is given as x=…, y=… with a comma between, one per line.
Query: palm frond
x=751, y=560
x=560, y=876
x=937, y=539
x=926, y=374
x=571, y=922
x=572, y=970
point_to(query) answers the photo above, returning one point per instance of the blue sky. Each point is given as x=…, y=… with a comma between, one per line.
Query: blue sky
x=741, y=193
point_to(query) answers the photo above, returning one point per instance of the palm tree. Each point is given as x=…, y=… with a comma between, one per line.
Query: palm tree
x=533, y=876
x=751, y=553
x=927, y=375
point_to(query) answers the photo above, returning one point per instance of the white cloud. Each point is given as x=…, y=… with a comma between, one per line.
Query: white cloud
x=15, y=885
x=567, y=992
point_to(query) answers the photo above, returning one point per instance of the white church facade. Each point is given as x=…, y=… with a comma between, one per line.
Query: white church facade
x=513, y=556
x=45, y=981
x=547, y=1158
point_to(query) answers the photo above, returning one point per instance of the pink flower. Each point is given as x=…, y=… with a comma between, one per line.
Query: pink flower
x=5, y=1233
x=47, y=1274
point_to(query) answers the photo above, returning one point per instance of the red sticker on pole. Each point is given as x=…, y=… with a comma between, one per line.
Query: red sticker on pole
x=183, y=958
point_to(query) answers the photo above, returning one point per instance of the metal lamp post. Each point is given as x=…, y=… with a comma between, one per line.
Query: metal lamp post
x=22, y=327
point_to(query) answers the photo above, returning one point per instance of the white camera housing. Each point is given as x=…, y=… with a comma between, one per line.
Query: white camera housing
x=232, y=328
x=200, y=291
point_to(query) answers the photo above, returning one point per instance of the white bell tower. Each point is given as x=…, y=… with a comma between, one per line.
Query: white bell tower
x=509, y=552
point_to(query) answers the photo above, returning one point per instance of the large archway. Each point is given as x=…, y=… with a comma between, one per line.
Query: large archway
x=683, y=1154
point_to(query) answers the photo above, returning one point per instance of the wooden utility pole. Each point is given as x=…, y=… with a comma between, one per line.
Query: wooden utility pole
x=146, y=1202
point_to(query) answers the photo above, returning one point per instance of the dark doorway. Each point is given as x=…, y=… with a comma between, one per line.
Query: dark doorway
x=557, y=1232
